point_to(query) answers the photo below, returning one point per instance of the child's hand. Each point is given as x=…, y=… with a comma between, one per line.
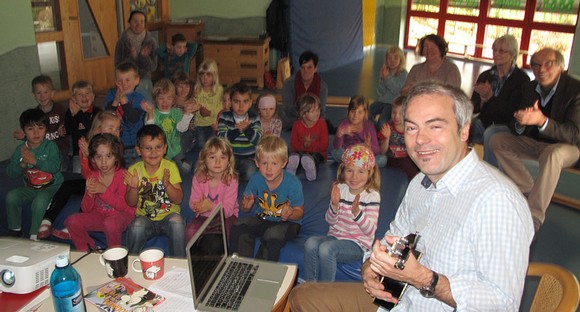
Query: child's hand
x=368, y=141
x=133, y=53
x=84, y=146
x=147, y=107
x=243, y=125
x=95, y=186
x=131, y=180
x=204, y=112
x=146, y=50
x=334, y=195
x=18, y=134
x=355, y=206
x=386, y=131
x=342, y=130
x=120, y=96
x=307, y=141
x=166, y=177
x=247, y=202
x=61, y=130
x=90, y=186
x=27, y=156
x=384, y=72
x=190, y=107
x=286, y=211
x=203, y=205
x=73, y=106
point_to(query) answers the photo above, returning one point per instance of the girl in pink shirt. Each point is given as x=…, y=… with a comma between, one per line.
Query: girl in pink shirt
x=214, y=182
x=103, y=207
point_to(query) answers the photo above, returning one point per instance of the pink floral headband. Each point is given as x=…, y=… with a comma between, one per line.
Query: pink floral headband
x=359, y=156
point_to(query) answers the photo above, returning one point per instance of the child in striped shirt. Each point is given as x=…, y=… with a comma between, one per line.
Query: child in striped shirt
x=352, y=216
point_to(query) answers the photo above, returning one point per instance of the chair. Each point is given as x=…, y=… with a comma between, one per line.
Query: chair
x=558, y=289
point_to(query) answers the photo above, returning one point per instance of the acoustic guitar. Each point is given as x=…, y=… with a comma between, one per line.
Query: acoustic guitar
x=400, y=249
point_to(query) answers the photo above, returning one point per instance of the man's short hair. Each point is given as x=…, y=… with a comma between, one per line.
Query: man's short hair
x=272, y=145
x=240, y=88
x=42, y=80
x=33, y=116
x=308, y=56
x=151, y=131
x=179, y=37
x=462, y=106
x=559, y=56
x=126, y=67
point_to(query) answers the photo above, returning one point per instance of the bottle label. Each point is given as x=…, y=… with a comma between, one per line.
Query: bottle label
x=72, y=303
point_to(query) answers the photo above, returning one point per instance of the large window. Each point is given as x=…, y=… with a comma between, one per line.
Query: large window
x=471, y=26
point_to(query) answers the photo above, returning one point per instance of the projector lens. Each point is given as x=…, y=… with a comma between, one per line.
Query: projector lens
x=8, y=278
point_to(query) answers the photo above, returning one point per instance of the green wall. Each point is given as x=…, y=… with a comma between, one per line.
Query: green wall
x=218, y=8
x=15, y=24
x=19, y=63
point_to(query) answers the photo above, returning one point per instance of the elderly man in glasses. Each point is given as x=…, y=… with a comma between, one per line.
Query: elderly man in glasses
x=546, y=128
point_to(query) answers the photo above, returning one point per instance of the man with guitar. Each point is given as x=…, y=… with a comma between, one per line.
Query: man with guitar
x=473, y=224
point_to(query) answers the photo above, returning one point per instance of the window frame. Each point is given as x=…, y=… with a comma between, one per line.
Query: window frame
x=527, y=25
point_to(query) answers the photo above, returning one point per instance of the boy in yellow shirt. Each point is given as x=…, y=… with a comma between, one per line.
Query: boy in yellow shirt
x=154, y=186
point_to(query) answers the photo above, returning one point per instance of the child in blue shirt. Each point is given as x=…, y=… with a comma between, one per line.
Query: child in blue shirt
x=126, y=103
x=177, y=56
x=273, y=203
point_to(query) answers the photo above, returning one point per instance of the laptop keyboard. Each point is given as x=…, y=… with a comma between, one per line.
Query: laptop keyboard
x=233, y=286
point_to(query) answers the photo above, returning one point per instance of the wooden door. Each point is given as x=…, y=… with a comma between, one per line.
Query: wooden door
x=90, y=35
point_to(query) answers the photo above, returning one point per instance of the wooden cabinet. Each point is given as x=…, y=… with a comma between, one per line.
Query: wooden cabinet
x=192, y=31
x=239, y=59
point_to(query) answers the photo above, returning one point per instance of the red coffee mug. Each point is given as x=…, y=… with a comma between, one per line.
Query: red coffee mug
x=152, y=263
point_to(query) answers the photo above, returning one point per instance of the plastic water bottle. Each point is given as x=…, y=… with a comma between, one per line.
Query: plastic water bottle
x=65, y=284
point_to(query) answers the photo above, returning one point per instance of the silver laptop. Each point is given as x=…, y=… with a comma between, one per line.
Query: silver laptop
x=217, y=279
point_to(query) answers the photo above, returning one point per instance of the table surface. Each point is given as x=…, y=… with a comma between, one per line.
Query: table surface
x=93, y=274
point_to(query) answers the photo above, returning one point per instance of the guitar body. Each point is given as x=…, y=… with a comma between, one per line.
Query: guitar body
x=394, y=287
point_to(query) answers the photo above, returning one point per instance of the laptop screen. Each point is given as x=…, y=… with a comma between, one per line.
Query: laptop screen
x=206, y=253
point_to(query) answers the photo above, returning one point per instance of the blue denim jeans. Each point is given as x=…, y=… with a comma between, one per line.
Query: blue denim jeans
x=246, y=167
x=476, y=131
x=143, y=228
x=273, y=236
x=322, y=253
x=487, y=134
x=203, y=134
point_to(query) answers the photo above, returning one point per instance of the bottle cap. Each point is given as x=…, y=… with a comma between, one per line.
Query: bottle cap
x=61, y=261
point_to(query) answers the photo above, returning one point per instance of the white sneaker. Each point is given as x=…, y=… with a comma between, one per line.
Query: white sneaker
x=309, y=166
x=293, y=162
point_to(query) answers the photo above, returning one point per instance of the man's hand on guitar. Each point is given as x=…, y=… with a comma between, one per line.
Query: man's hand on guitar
x=383, y=264
x=372, y=284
